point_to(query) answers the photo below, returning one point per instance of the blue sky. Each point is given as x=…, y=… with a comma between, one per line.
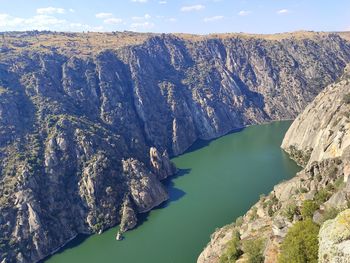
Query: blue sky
x=188, y=16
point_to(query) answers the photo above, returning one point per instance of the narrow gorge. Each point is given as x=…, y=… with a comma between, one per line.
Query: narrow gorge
x=88, y=120
x=315, y=203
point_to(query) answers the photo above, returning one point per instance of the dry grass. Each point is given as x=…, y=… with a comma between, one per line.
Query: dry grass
x=345, y=35
x=298, y=35
x=71, y=43
x=85, y=44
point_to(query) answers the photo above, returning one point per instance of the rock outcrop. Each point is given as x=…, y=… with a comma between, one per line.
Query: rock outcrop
x=161, y=164
x=318, y=140
x=322, y=131
x=334, y=239
x=128, y=216
x=87, y=120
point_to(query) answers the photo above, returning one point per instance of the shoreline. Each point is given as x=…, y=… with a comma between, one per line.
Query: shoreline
x=198, y=141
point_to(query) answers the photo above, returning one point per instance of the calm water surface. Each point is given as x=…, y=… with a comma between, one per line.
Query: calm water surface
x=219, y=181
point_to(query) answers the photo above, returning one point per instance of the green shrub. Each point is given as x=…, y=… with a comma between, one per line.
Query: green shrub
x=301, y=243
x=269, y=204
x=322, y=196
x=270, y=211
x=308, y=209
x=254, y=250
x=254, y=214
x=239, y=221
x=303, y=190
x=346, y=98
x=233, y=251
x=339, y=183
x=290, y=211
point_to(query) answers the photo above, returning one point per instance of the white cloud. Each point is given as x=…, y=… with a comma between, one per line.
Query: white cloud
x=190, y=8
x=162, y=2
x=50, y=10
x=213, y=18
x=103, y=15
x=244, y=13
x=143, y=25
x=42, y=22
x=71, y=10
x=171, y=19
x=139, y=1
x=113, y=21
x=109, y=19
x=283, y=11
x=145, y=17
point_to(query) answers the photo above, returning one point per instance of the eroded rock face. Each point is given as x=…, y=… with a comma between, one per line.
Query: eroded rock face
x=145, y=190
x=161, y=163
x=128, y=216
x=78, y=129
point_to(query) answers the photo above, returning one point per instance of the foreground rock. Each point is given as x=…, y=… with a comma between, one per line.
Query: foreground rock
x=335, y=239
x=87, y=120
x=319, y=140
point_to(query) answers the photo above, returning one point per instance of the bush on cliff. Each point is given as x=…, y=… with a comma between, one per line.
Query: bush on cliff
x=346, y=98
x=233, y=251
x=301, y=243
x=308, y=209
x=254, y=249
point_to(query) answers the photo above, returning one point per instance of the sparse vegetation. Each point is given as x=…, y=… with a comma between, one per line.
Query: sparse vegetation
x=322, y=196
x=308, y=209
x=346, y=98
x=254, y=214
x=254, y=250
x=329, y=213
x=239, y=221
x=233, y=250
x=300, y=156
x=270, y=203
x=290, y=211
x=301, y=243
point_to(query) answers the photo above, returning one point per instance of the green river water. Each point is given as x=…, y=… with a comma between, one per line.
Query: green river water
x=219, y=181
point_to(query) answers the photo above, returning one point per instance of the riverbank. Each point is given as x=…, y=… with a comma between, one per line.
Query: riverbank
x=218, y=183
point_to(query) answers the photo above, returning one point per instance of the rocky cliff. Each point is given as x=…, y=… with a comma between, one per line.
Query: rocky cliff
x=322, y=130
x=318, y=140
x=87, y=120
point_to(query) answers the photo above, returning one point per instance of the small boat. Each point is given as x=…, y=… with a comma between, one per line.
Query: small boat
x=100, y=232
x=119, y=236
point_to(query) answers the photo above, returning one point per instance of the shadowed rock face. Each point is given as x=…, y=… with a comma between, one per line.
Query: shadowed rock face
x=85, y=138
